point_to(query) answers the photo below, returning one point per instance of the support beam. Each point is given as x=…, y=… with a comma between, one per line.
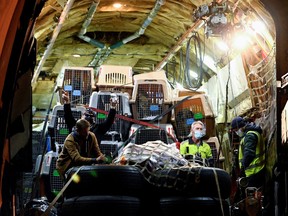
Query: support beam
x=52, y=41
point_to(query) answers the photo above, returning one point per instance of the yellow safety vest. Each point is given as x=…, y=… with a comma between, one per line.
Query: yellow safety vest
x=192, y=149
x=258, y=162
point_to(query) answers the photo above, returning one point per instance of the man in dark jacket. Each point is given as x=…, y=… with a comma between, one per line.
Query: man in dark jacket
x=251, y=151
x=98, y=129
x=80, y=148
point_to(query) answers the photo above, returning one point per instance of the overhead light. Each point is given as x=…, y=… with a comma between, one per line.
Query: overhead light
x=241, y=42
x=117, y=5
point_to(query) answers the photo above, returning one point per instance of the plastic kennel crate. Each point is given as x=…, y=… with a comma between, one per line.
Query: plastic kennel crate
x=57, y=127
x=114, y=77
x=111, y=148
x=152, y=95
x=78, y=82
x=24, y=187
x=215, y=148
x=37, y=145
x=192, y=109
x=120, y=128
x=165, y=133
x=53, y=183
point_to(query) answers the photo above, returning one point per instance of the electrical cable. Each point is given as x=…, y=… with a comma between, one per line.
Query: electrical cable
x=199, y=61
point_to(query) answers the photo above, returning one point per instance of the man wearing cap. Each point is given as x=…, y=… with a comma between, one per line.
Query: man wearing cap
x=98, y=129
x=194, y=149
x=251, y=151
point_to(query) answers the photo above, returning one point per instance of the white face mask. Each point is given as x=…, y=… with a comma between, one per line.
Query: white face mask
x=239, y=132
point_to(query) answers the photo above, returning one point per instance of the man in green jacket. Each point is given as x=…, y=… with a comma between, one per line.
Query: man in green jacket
x=194, y=149
x=80, y=148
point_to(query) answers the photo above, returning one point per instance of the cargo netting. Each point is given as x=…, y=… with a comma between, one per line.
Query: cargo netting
x=161, y=165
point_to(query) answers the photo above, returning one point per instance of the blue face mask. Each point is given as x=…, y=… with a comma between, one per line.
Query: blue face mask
x=198, y=134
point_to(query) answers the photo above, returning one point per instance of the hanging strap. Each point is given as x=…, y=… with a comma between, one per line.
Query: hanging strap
x=143, y=123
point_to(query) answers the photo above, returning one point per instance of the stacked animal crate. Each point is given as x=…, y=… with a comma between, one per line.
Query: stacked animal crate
x=151, y=96
x=57, y=127
x=78, y=82
x=118, y=132
x=58, y=131
x=116, y=80
x=194, y=108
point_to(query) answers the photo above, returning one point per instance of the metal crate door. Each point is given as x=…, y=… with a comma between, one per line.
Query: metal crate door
x=120, y=128
x=56, y=182
x=78, y=83
x=58, y=129
x=184, y=120
x=61, y=130
x=149, y=101
x=145, y=135
x=103, y=103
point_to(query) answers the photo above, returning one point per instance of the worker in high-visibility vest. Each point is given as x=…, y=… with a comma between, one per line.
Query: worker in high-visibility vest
x=194, y=148
x=251, y=151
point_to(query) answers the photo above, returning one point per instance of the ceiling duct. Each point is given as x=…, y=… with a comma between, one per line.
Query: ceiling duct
x=104, y=51
x=85, y=25
x=142, y=29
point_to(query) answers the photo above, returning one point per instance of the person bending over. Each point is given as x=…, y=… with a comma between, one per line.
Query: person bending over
x=80, y=148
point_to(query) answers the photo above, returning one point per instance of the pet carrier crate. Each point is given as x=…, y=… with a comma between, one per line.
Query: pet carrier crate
x=37, y=145
x=51, y=179
x=152, y=95
x=57, y=127
x=140, y=134
x=114, y=77
x=218, y=157
x=120, y=128
x=193, y=109
x=23, y=190
x=111, y=148
x=78, y=82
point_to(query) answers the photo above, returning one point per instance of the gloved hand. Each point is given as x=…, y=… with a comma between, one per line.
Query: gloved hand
x=198, y=157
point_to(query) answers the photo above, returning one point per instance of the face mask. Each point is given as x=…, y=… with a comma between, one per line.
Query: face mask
x=239, y=132
x=198, y=134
